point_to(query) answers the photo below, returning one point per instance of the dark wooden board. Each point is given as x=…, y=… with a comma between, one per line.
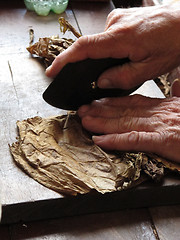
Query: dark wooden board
x=145, y=195
x=121, y=225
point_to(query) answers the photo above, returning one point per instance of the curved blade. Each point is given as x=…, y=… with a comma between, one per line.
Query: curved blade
x=75, y=85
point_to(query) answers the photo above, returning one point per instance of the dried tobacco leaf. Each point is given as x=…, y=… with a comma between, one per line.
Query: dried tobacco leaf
x=164, y=85
x=153, y=168
x=51, y=151
x=49, y=47
x=31, y=36
x=58, y=153
x=65, y=25
x=173, y=166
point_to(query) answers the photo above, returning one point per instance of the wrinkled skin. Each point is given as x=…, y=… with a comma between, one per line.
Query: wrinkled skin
x=150, y=38
x=135, y=123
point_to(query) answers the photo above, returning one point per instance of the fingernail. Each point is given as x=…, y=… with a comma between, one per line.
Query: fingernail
x=104, y=83
x=48, y=69
x=97, y=139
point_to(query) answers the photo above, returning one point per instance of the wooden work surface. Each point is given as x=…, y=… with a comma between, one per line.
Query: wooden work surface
x=22, y=82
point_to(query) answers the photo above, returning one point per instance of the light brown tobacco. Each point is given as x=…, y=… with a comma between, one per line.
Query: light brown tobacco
x=65, y=25
x=60, y=154
x=49, y=47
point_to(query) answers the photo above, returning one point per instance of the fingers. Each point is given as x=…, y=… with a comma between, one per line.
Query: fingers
x=128, y=75
x=131, y=101
x=167, y=147
x=175, y=88
x=116, y=125
x=125, y=114
x=132, y=141
x=147, y=126
x=75, y=52
x=117, y=107
x=90, y=46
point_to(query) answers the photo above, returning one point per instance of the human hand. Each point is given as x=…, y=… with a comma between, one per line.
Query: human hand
x=148, y=36
x=135, y=123
x=175, y=88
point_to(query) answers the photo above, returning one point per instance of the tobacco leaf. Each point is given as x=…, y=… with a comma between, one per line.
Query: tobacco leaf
x=166, y=164
x=58, y=153
x=31, y=36
x=164, y=85
x=65, y=25
x=49, y=47
x=153, y=168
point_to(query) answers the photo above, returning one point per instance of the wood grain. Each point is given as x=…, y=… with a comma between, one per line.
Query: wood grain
x=126, y=224
x=22, y=82
x=167, y=221
x=91, y=17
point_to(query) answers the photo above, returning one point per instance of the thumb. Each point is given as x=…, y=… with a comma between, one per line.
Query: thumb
x=175, y=88
x=126, y=76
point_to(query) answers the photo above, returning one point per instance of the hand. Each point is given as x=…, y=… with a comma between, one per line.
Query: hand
x=135, y=123
x=148, y=36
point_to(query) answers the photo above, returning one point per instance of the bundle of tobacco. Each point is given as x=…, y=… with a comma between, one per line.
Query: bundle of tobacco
x=51, y=152
x=49, y=47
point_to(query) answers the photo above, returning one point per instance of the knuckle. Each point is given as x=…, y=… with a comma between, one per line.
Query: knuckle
x=113, y=17
x=112, y=14
x=84, y=44
x=133, y=138
x=82, y=41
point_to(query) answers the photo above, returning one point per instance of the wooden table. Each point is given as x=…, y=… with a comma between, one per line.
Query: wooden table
x=22, y=82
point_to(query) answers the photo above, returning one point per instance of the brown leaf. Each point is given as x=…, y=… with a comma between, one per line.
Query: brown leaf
x=66, y=26
x=60, y=154
x=49, y=47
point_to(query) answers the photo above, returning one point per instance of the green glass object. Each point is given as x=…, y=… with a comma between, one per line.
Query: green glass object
x=59, y=6
x=43, y=7
x=29, y=4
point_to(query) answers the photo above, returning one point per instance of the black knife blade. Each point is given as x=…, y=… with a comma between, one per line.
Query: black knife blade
x=75, y=85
